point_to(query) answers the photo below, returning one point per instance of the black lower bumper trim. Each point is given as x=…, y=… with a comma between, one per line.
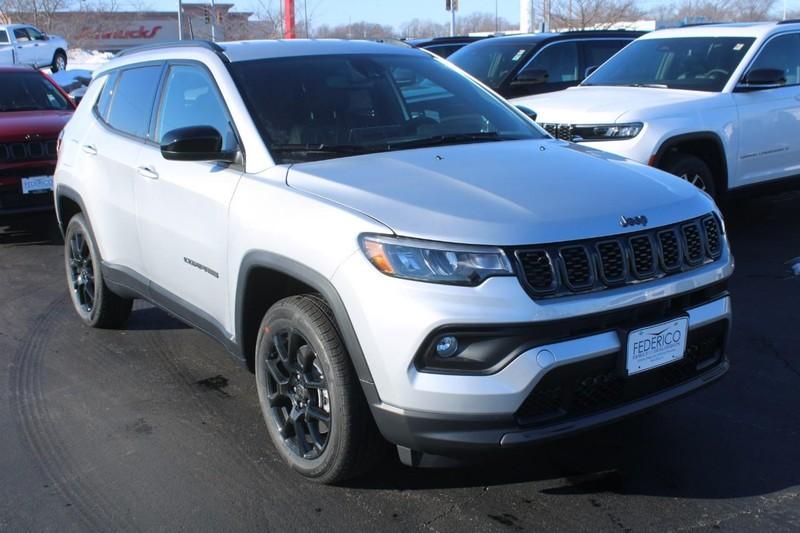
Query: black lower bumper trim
x=451, y=435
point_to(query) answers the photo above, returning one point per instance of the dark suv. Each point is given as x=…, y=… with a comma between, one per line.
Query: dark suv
x=520, y=65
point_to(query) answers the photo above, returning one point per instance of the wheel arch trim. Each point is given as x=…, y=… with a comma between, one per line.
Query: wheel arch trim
x=315, y=280
x=670, y=142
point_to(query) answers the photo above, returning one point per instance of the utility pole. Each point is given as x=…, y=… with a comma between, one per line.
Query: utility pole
x=452, y=7
x=213, y=18
x=180, y=20
x=496, y=19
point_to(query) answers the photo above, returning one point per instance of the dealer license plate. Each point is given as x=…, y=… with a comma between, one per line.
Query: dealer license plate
x=36, y=184
x=658, y=345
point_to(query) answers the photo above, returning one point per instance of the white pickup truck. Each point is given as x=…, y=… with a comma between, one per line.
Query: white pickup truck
x=21, y=44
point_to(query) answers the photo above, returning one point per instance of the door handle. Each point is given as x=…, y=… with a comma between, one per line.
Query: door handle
x=89, y=149
x=148, y=172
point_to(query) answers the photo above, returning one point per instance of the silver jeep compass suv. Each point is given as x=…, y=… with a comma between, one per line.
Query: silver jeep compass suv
x=396, y=252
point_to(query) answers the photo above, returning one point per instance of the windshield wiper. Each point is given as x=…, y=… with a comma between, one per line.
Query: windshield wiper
x=454, y=138
x=336, y=149
x=650, y=85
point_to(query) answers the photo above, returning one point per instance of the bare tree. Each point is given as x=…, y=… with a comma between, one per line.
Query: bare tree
x=355, y=30
x=689, y=11
x=482, y=22
x=592, y=14
x=424, y=28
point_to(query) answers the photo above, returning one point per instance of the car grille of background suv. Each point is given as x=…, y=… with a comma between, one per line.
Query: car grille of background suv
x=27, y=151
x=568, y=268
x=559, y=131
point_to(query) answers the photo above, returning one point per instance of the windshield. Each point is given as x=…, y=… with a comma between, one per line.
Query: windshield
x=318, y=107
x=490, y=62
x=29, y=91
x=692, y=63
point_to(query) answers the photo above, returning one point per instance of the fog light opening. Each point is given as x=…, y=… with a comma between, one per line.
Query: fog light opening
x=447, y=346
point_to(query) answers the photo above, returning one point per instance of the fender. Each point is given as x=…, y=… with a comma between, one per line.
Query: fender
x=657, y=158
x=64, y=191
x=322, y=285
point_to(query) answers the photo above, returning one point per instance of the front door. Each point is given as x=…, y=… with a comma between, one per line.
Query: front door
x=25, y=48
x=769, y=119
x=183, y=205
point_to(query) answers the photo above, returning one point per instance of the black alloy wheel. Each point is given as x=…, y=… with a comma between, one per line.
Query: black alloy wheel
x=298, y=394
x=81, y=269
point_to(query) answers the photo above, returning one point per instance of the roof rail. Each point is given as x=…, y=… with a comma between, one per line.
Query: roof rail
x=789, y=21
x=191, y=43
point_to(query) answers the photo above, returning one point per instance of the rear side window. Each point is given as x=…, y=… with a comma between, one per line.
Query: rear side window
x=3, y=37
x=104, y=100
x=132, y=100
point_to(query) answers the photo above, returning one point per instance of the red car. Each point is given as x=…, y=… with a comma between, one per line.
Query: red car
x=33, y=111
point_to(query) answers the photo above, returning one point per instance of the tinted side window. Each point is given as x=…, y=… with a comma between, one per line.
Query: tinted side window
x=103, y=101
x=3, y=37
x=598, y=52
x=21, y=35
x=782, y=53
x=132, y=102
x=191, y=99
x=560, y=60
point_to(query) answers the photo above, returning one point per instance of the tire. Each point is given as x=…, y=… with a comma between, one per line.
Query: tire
x=59, y=62
x=694, y=170
x=304, y=377
x=94, y=302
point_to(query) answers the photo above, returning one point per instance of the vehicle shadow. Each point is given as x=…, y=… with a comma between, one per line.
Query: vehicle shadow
x=28, y=230
x=146, y=317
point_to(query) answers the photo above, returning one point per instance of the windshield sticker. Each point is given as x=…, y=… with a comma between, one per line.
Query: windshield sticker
x=738, y=47
x=518, y=55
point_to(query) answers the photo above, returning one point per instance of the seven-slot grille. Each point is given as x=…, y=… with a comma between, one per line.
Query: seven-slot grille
x=559, y=131
x=562, y=269
x=27, y=151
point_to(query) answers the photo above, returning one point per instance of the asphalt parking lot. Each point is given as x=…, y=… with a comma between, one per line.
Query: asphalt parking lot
x=155, y=428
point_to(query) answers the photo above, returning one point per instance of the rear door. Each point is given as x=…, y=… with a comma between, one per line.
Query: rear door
x=109, y=151
x=183, y=205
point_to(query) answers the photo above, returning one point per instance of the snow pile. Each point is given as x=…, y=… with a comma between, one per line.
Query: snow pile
x=79, y=59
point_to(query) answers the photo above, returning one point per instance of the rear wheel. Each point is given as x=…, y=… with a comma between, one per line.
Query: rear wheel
x=310, y=396
x=59, y=62
x=94, y=302
x=694, y=170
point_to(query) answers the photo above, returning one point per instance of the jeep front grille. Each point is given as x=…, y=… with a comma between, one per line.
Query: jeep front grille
x=27, y=151
x=574, y=267
x=559, y=131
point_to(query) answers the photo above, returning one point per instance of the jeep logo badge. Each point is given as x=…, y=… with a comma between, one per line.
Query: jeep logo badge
x=627, y=222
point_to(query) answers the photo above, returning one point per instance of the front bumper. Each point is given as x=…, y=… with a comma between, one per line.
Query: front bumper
x=584, y=388
x=13, y=201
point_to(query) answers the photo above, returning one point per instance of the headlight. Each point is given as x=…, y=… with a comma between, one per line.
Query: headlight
x=435, y=262
x=606, y=132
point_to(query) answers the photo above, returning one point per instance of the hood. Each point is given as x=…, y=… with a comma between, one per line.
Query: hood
x=15, y=125
x=502, y=193
x=606, y=105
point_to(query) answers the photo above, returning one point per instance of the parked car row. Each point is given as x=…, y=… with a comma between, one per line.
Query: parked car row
x=718, y=105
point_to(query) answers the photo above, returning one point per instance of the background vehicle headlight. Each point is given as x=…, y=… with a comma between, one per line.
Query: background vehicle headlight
x=606, y=132
x=435, y=262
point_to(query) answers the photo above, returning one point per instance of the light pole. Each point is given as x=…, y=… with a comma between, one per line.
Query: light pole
x=496, y=20
x=180, y=20
x=213, y=19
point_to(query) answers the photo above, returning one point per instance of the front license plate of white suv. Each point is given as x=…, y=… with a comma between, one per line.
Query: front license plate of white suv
x=658, y=345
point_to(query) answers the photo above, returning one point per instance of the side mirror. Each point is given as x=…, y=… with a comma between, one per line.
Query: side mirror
x=762, y=78
x=590, y=70
x=195, y=143
x=530, y=113
x=534, y=76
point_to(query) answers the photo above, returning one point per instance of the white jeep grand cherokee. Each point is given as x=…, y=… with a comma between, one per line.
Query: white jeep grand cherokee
x=393, y=249
x=718, y=105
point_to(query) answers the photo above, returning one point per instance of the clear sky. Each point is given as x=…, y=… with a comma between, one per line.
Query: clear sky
x=395, y=12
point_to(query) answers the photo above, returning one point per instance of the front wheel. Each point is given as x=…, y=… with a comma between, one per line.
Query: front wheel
x=694, y=170
x=59, y=62
x=310, y=396
x=94, y=302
